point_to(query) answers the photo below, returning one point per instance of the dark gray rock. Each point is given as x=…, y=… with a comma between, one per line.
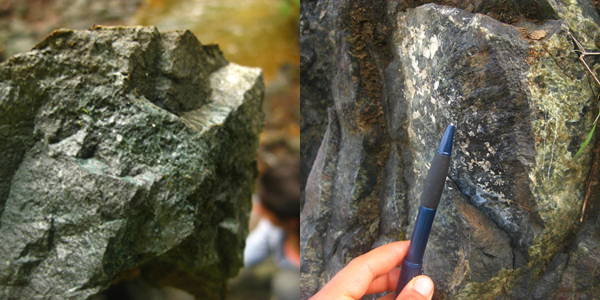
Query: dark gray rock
x=574, y=274
x=546, y=285
x=522, y=104
x=581, y=276
x=124, y=151
x=316, y=71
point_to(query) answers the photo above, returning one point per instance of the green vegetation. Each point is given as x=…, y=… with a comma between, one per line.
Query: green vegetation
x=589, y=137
x=287, y=6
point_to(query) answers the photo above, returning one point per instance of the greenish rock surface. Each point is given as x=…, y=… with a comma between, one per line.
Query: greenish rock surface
x=124, y=151
x=506, y=74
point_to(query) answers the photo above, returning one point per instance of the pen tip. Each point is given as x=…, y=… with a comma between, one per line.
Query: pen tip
x=446, y=143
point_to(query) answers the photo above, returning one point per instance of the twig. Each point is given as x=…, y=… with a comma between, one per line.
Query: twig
x=582, y=55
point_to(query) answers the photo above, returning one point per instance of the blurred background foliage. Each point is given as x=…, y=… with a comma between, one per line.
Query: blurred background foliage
x=257, y=33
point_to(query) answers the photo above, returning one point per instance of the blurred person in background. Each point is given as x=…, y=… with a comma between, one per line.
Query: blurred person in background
x=277, y=234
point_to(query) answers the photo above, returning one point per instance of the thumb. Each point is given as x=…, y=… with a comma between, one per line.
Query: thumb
x=419, y=288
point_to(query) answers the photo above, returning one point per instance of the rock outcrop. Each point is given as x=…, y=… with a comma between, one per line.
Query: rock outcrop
x=124, y=151
x=506, y=74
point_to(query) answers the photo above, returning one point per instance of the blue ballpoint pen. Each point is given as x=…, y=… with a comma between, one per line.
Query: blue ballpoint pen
x=432, y=192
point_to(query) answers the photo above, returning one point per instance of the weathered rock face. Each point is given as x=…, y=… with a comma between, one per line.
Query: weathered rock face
x=522, y=104
x=124, y=150
x=317, y=69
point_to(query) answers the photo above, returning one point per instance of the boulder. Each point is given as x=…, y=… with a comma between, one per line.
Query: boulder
x=506, y=74
x=125, y=152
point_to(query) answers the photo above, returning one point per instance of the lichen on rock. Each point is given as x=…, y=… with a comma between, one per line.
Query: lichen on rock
x=124, y=149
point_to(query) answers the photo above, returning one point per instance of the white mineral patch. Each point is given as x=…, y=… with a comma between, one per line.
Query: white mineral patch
x=486, y=165
x=474, y=22
x=433, y=47
x=482, y=194
x=478, y=198
x=229, y=84
x=463, y=147
x=424, y=90
x=69, y=146
x=411, y=88
x=490, y=148
x=411, y=133
x=416, y=114
x=414, y=63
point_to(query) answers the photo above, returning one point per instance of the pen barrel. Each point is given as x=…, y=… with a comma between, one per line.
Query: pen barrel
x=430, y=198
x=420, y=235
x=436, y=179
x=413, y=261
x=409, y=271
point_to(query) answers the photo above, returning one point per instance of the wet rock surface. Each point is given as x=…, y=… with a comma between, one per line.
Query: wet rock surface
x=124, y=151
x=522, y=103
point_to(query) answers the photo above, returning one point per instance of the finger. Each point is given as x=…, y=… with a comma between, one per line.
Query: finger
x=384, y=283
x=419, y=288
x=353, y=281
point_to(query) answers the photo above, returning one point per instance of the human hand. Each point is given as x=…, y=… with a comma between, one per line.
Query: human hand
x=376, y=272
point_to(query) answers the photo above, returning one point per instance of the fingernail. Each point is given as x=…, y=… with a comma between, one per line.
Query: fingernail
x=423, y=285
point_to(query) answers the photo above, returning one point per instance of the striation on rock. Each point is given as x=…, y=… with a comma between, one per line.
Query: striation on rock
x=124, y=150
x=522, y=104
